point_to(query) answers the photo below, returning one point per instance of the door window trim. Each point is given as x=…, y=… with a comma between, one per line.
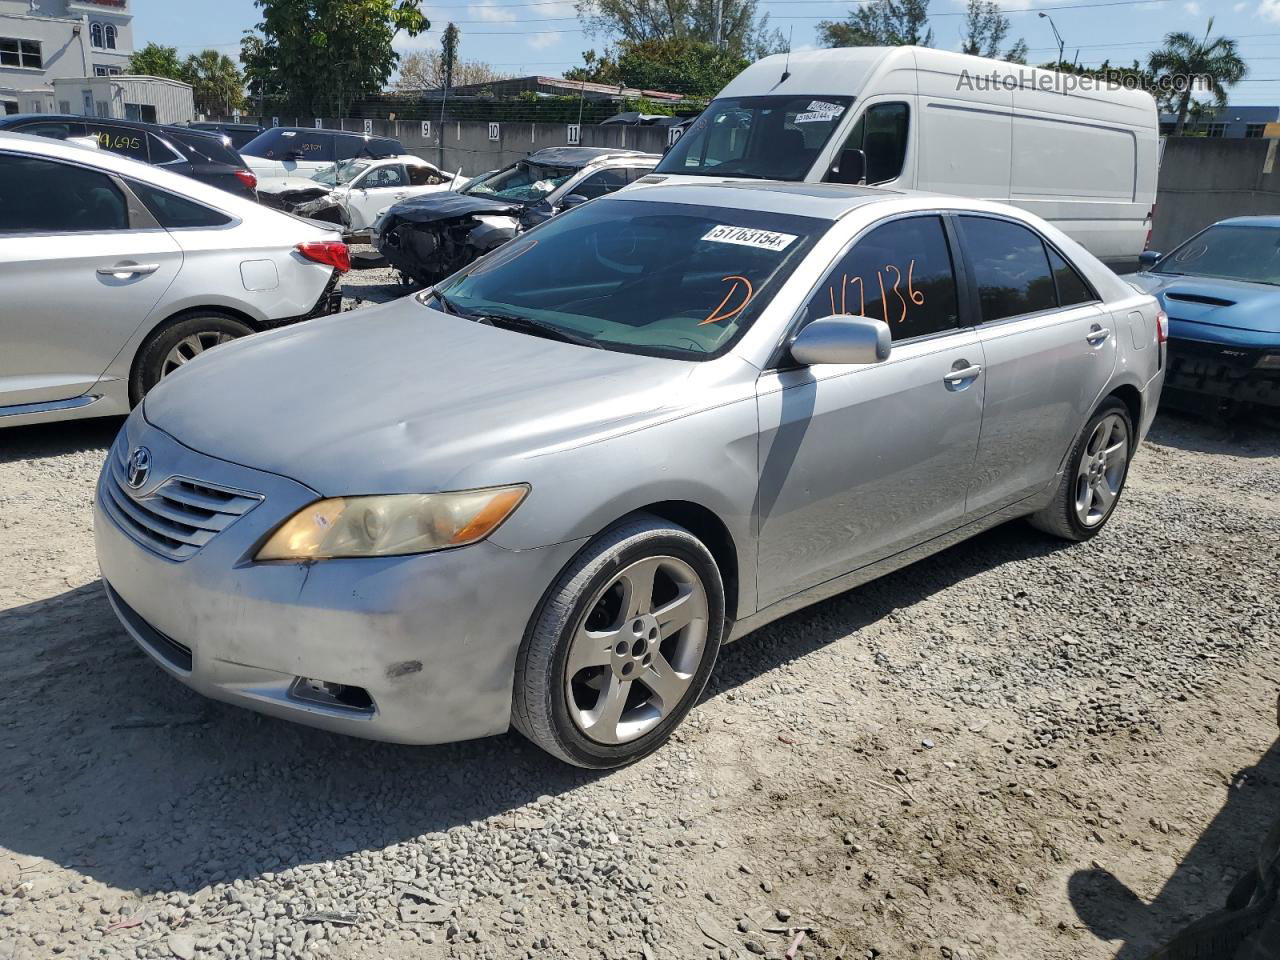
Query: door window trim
x=975, y=295
x=966, y=317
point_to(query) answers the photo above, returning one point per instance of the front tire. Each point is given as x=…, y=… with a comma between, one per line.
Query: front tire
x=623, y=645
x=177, y=343
x=1094, y=477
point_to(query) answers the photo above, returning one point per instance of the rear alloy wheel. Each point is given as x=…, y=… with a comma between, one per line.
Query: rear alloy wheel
x=173, y=346
x=623, y=646
x=1094, y=477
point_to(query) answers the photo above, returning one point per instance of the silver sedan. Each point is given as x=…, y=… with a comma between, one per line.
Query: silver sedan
x=542, y=493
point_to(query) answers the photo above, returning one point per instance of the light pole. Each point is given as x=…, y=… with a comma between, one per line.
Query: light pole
x=1056, y=35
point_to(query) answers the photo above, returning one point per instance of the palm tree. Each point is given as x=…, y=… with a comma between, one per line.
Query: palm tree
x=217, y=82
x=1216, y=62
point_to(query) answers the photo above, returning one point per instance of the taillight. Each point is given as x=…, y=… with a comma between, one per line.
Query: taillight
x=333, y=253
x=248, y=178
x=1162, y=327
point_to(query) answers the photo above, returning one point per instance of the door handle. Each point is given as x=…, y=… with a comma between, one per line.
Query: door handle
x=1098, y=336
x=129, y=270
x=964, y=373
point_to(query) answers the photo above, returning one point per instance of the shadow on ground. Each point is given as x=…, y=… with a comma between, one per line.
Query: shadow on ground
x=109, y=767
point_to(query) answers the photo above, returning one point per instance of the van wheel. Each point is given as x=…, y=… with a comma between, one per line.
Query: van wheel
x=622, y=647
x=1094, y=477
x=176, y=344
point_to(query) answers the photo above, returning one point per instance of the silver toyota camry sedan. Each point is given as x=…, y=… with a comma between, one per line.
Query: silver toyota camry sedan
x=542, y=493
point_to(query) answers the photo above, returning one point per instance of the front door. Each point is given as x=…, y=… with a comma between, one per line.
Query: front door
x=1050, y=348
x=376, y=190
x=860, y=462
x=77, y=282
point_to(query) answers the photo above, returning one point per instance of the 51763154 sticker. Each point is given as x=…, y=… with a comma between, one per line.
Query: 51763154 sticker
x=749, y=237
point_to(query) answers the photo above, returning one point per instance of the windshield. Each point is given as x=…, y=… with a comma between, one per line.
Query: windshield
x=523, y=182
x=665, y=279
x=341, y=173
x=773, y=138
x=1228, y=252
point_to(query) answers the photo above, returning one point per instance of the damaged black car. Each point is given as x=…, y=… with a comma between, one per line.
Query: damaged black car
x=427, y=238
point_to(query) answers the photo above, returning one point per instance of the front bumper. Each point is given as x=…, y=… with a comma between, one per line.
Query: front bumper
x=431, y=639
x=1223, y=371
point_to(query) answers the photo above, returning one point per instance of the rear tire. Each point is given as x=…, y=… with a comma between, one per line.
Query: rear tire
x=175, y=343
x=1094, y=477
x=623, y=645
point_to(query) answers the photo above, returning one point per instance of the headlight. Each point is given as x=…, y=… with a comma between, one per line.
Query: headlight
x=390, y=526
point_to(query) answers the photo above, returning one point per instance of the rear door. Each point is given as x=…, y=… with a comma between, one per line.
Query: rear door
x=83, y=268
x=1050, y=350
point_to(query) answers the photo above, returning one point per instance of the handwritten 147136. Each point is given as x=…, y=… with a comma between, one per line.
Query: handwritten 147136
x=913, y=296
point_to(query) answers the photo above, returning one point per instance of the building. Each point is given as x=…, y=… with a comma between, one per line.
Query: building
x=556, y=86
x=126, y=97
x=42, y=41
x=1231, y=122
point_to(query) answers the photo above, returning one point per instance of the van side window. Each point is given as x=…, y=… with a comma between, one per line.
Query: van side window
x=1010, y=267
x=881, y=134
x=900, y=273
x=1071, y=286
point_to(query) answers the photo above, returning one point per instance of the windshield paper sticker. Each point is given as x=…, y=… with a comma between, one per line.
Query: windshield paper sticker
x=823, y=106
x=748, y=237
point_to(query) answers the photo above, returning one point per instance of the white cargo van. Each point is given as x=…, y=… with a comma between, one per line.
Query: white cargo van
x=1083, y=157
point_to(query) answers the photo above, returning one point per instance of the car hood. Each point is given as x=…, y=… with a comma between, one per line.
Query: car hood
x=403, y=398
x=1218, y=308
x=433, y=207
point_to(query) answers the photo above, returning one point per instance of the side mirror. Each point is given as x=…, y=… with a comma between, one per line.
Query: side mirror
x=573, y=200
x=842, y=339
x=850, y=167
x=1148, y=259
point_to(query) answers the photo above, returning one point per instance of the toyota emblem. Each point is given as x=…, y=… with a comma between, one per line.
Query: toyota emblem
x=139, y=467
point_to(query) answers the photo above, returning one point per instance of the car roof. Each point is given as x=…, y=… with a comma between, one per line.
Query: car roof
x=338, y=133
x=73, y=118
x=1258, y=221
x=581, y=156
x=823, y=201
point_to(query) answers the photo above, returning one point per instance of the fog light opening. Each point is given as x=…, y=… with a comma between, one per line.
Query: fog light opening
x=336, y=695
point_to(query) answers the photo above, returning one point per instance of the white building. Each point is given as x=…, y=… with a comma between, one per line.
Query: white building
x=46, y=40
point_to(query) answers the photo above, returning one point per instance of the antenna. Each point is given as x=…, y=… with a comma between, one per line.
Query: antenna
x=786, y=69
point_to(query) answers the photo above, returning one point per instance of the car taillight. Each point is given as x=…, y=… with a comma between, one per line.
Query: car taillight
x=248, y=178
x=1162, y=327
x=333, y=253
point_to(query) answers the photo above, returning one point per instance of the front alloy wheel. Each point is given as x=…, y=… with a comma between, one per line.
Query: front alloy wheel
x=622, y=647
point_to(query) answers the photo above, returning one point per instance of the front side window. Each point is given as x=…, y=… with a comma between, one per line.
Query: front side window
x=664, y=279
x=600, y=183
x=771, y=138
x=42, y=196
x=53, y=129
x=21, y=53
x=392, y=176
x=881, y=134
x=341, y=173
x=1010, y=267
x=1228, y=251
x=523, y=182
x=901, y=273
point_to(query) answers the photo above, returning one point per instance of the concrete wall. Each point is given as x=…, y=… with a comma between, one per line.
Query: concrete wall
x=1203, y=181
x=466, y=144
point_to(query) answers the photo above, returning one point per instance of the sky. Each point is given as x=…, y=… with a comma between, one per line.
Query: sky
x=544, y=36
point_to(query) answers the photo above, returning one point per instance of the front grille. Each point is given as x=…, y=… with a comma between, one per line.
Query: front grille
x=178, y=517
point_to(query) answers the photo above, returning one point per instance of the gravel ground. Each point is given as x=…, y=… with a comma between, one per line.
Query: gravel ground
x=1014, y=749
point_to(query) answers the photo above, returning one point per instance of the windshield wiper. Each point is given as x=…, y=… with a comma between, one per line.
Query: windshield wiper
x=448, y=305
x=537, y=328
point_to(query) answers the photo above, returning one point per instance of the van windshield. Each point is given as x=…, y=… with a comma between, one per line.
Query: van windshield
x=771, y=138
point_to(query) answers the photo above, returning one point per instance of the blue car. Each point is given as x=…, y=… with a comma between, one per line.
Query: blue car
x=1221, y=290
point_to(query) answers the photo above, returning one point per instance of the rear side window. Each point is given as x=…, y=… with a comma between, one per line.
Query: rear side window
x=881, y=134
x=1071, y=286
x=55, y=130
x=161, y=152
x=424, y=176
x=1010, y=267
x=900, y=273
x=122, y=140
x=208, y=149
x=174, y=212
x=277, y=144
x=43, y=196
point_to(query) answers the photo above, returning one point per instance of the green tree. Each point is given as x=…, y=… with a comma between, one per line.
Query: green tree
x=1183, y=59
x=424, y=70
x=880, y=23
x=318, y=55
x=449, y=54
x=155, y=60
x=735, y=26
x=691, y=67
x=985, y=28
x=216, y=81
